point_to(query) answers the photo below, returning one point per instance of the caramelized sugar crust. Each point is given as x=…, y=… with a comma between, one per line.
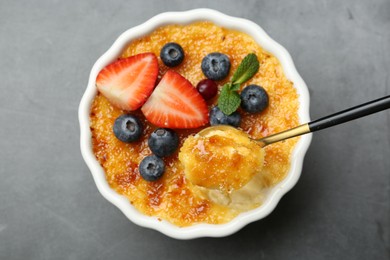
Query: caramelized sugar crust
x=172, y=198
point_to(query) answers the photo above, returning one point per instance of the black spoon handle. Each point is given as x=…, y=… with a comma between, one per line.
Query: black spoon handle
x=350, y=114
x=328, y=121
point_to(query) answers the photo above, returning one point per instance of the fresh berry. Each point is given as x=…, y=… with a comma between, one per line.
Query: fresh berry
x=151, y=168
x=172, y=54
x=163, y=142
x=127, y=128
x=216, y=66
x=207, y=88
x=254, y=99
x=175, y=103
x=127, y=83
x=217, y=117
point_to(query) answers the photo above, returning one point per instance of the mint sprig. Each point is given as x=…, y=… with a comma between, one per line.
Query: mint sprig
x=248, y=68
x=229, y=99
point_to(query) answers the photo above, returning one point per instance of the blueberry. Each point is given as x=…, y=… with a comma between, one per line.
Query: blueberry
x=172, y=54
x=216, y=66
x=151, y=168
x=254, y=99
x=163, y=142
x=217, y=117
x=127, y=128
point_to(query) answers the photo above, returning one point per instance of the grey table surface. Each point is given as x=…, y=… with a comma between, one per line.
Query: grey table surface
x=49, y=205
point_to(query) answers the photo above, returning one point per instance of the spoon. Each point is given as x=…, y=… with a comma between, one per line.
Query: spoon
x=224, y=177
x=356, y=112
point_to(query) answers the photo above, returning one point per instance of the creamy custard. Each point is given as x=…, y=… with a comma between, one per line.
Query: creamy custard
x=173, y=197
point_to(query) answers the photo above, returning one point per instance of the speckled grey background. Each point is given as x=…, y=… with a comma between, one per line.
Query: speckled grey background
x=49, y=205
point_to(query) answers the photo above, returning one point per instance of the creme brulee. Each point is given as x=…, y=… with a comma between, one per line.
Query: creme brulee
x=173, y=197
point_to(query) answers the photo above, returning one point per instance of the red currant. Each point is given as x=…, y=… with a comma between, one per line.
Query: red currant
x=207, y=88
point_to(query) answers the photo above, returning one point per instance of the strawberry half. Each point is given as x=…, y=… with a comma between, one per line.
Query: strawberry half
x=127, y=83
x=175, y=103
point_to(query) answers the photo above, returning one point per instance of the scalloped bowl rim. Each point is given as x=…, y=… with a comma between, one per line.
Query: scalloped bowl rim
x=274, y=194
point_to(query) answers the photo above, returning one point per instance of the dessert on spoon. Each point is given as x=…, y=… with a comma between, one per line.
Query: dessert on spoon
x=233, y=158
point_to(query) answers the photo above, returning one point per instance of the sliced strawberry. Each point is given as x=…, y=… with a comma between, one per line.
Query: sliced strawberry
x=175, y=103
x=127, y=83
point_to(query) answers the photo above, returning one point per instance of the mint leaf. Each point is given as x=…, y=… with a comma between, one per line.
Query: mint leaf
x=249, y=66
x=235, y=87
x=229, y=100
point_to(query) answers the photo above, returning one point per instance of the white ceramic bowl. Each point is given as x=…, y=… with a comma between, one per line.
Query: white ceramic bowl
x=273, y=195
